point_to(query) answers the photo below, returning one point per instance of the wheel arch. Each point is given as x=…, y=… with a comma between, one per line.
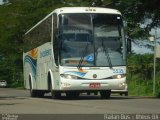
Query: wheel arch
x=30, y=81
x=50, y=79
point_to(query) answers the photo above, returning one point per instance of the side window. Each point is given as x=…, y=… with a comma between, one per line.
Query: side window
x=55, y=40
x=38, y=35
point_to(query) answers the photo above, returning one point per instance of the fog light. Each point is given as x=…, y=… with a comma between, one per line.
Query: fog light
x=122, y=85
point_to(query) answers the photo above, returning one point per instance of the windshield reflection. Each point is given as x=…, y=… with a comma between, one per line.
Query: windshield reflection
x=91, y=40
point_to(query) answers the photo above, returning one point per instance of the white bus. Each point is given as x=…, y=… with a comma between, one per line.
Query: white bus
x=75, y=50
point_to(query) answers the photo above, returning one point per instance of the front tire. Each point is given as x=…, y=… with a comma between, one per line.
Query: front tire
x=72, y=95
x=54, y=94
x=126, y=94
x=105, y=94
x=40, y=94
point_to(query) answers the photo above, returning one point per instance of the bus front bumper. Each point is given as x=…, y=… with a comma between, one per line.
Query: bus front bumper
x=111, y=84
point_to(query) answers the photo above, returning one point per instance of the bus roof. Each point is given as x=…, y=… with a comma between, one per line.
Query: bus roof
x=77, y=10
x=86, y=10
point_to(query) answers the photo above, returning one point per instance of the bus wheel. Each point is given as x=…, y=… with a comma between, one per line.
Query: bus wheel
x=72, y=95
x=95, y=93
x=105, y=94
x=40, y=94
x=54, y=94
x=126, y=94
x=33, y=93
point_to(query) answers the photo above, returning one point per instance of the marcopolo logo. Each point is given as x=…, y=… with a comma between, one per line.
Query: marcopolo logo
x=45, y=53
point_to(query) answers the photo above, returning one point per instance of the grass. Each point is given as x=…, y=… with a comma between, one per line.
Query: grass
x=18, y=85
x=139, y=87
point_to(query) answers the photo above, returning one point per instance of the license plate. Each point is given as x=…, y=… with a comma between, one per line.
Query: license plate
x=94, y=85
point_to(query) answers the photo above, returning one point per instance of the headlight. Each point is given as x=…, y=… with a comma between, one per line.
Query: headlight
x=67, y=76
x=118, y=76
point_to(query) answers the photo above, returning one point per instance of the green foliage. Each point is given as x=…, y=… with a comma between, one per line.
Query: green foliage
x=16, y=84
x=139, y=87
x=136, y=11
x=140, y=75
x=141, y=64
x=15, y=19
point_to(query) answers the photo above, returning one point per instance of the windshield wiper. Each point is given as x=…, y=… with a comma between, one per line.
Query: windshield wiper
x=107, y=54
x=82, y=57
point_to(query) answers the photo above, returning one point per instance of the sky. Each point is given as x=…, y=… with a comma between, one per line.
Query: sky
x=146, y=46
x=143, y=46
x=1, y=2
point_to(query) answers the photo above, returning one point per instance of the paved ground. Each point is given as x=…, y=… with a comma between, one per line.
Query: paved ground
x=14, y=101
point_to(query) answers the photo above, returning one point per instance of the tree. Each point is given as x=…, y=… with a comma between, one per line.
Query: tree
x=15, y=19
x=137, y=11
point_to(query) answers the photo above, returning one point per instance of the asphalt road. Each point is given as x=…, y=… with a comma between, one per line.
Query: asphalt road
x=14, y=101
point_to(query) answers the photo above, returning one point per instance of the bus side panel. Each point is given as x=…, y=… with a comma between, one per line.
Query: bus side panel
x=56, y=78
x=30, y=66
x=44, y=63
x=45, y=66
x=37, y=62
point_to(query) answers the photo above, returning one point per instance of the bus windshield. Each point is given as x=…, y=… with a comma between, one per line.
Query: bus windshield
x=91, y=40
